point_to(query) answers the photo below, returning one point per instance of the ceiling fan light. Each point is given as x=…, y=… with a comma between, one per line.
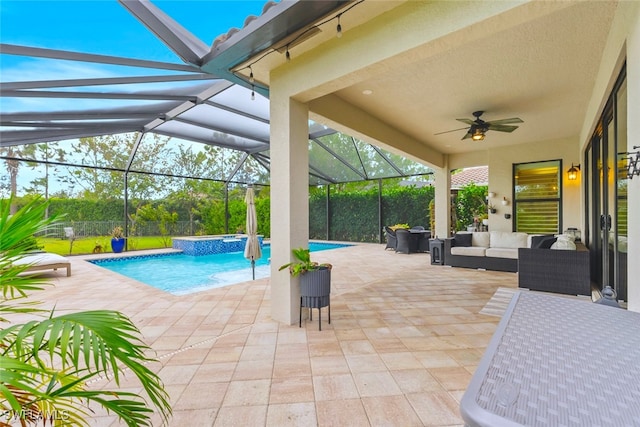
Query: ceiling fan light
x=478, y=134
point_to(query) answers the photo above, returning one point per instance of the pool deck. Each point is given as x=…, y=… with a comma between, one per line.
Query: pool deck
x=405, y=338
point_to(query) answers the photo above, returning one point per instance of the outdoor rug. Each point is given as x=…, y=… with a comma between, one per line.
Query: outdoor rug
x=499, y=302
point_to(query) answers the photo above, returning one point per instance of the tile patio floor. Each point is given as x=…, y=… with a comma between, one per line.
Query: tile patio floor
x=405, y=338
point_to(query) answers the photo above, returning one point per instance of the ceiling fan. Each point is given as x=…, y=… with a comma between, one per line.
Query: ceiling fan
x=478, y=127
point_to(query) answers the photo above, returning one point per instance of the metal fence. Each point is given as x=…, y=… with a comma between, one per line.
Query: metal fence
x=104, y=228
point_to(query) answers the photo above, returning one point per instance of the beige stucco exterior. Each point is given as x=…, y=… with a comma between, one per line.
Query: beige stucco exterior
x=408, y=31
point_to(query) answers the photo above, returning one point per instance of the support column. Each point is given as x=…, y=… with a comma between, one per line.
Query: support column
x=443, y=200
x=289, y=199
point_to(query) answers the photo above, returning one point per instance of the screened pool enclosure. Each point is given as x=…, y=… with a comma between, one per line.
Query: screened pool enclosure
x=179, y=100
x=143, y=119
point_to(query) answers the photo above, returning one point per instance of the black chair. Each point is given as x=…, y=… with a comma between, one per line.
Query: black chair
x=423, y=241
x=406, y=241
x=417, y=227
x=392, y=241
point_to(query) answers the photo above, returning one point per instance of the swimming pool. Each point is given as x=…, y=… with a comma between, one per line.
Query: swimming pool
x=181, y=274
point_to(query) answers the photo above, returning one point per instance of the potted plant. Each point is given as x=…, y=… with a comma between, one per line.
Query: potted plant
x=117, y=239
x=315, y=281
x=397, y=226
x=491, y=208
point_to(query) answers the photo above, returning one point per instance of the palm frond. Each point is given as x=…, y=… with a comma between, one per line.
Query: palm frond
x=45, y=364
x=98, y=342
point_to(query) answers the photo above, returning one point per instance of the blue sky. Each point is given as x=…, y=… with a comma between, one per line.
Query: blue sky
x=100, y=27
x=106, y=27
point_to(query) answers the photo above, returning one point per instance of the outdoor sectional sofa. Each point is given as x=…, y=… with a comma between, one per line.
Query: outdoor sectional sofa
x=540, y=265
x=490, y=250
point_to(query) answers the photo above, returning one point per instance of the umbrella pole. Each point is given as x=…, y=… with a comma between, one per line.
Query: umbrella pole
x=253, y=268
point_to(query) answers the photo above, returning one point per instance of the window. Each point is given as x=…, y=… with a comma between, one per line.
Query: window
x=538, y=196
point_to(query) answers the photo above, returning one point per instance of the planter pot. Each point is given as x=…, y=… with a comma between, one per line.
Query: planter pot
x=315, y=287
x=117, y=245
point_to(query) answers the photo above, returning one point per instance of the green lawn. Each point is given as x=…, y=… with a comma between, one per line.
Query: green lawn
x=86, y=245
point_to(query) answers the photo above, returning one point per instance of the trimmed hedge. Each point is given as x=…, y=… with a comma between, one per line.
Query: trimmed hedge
x=354, y=214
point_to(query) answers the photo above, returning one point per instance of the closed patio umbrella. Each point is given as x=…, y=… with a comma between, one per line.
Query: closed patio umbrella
x=252, y=250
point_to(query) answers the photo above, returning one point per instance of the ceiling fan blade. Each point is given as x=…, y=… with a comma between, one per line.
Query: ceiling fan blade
x=510, y=121
x=452, y=130
x=502, y=128
x=467, y=121
x=467, y=135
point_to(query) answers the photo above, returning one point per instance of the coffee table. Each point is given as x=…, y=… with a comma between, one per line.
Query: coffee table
x=557, y=361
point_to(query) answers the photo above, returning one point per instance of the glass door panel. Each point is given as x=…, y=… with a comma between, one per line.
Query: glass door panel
x=620, y=263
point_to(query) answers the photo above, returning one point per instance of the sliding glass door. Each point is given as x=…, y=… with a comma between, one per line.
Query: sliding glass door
x=606, y=176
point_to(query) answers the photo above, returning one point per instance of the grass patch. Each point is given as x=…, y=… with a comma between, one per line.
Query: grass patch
x=89, y=245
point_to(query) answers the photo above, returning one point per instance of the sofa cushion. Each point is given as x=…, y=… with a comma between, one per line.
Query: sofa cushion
x=468, y=250
x=502, y=253
x=462, y=239
x=481, y=239
x=507, y=239
x=547, y=243
x=543, y=241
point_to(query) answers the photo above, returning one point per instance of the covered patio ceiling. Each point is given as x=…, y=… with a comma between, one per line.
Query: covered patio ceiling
x=181, y=101
x=537, y=61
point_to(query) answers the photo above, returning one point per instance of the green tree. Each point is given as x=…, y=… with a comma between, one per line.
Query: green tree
x=192, y=193
x=13, y=167
x=470, y=203
x=166, y=220
x=46, y=364
x=46, y=152
x=106, y=158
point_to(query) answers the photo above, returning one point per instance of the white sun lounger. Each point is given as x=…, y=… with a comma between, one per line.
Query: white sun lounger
x=45, y=261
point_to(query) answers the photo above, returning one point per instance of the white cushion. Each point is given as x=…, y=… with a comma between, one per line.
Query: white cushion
x=622, y=244
x=468, y=250
x=564, y=243
x=507, y=239
x=480, y=238
x=502, y=253
x=41, y=259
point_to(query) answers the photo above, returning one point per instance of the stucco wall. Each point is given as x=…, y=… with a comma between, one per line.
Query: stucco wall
x=500, y=162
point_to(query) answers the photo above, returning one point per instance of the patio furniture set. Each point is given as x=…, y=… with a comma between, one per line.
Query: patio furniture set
x=543, y=262
x=533, y=257
x=407, y=241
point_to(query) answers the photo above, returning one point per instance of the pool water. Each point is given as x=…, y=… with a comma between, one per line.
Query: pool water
x=181, y=274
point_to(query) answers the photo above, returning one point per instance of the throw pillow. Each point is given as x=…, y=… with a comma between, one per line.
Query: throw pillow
x=537, y=241
x=463, y=239
x=547, y=243
x=564, y=243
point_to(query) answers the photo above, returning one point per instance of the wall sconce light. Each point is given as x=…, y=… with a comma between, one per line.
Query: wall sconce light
x=491, y=194
x=505, y=202
x=572, y=173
